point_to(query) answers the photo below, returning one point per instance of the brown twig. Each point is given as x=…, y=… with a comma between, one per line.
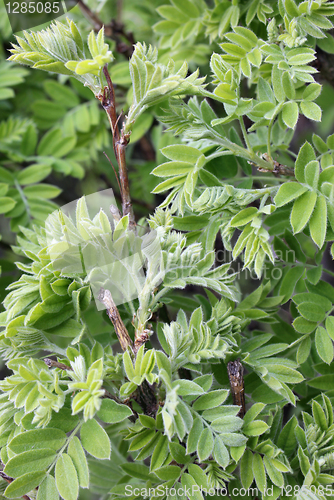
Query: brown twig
x=279, y=168
x=10, y=480
x=235, y=372
x=135, y=201
x=51, y=363
x=145, y=395
x=120, y=141
x=140, y=339
x=113, y=30
x=123, y=336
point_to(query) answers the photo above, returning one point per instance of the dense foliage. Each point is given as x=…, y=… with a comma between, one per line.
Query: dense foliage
x=219, y=118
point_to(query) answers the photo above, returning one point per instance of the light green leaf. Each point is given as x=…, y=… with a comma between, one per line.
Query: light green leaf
x=112, y=412
x=220, y=452
x=255, y=428
x=195, y=431
x=6, y=204
x=95, y=440
x=225, y=92
x=265, y=91
x=289, y=282
x=305, y=155
x=210, y=400
x=311, y=110
x=290, y=114
x=160, y=453
x=66, y=478
x=287, y=440
x=24, y=484
x=311, y=311
x=302, y=325
x=142, y=439
x=288, y=86
x=303, y=351
x=205, y=444
x=29, y=461
x=319, y=144
x=288, y=192
x=311, y=92
x=259, y=472
x=227, y=424
x=46, y=191
x=246, y=469
x=330, y=326
x=77, y=454
x=319, y=416
x=172, y=168
x=169, y=183
x=244, y=217
x=254, y=410
x=189, y=484
x=312, y=172
x=275, y=475
x=180, y=152
x=188, y=387
x=324, y=382
x=324, y=345
x=38, y=439
x=34, y=173
x=318, y=221
x=168, y=472
x=47, y=489
x=302, y=210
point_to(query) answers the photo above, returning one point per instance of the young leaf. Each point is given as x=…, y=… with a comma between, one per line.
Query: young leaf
x=24, y=484
x=259, y=472
x=29, y=461
x=48, y=489
x=205, y=444
x=38, y=439
x=246, y=469
x=112, y=412
x=324, y=345
x=302, y=211
x=318, y=221
x=95, y=440
x=66, y=478
x=77, y=454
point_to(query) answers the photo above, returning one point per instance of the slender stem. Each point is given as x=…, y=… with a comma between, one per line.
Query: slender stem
x=24, y=199
x=120, y=141
x=113, y=313
x=269, y=138
x=244, y=133
x=68, y=440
